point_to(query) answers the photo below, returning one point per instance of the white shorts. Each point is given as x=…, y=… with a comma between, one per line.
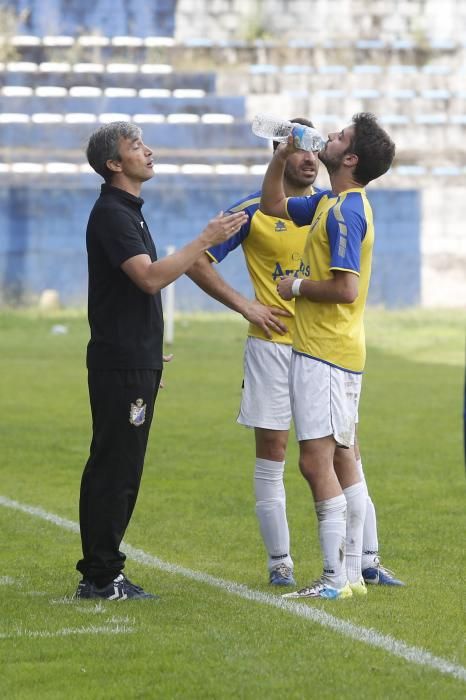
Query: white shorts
x=324, y=400
x=265, y=402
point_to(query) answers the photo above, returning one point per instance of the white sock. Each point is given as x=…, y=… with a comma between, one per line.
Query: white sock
x=331, y=515
x=356, y=497
x=271, y=511
x=370, y=540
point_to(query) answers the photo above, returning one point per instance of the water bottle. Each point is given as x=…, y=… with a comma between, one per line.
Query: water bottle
x=305, y=137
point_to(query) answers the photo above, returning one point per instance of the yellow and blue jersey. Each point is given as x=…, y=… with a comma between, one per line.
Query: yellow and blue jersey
x=341, y=237
x=273, y=248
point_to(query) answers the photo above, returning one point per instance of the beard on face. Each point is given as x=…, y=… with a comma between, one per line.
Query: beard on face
x=298, y=179
x=331, y=163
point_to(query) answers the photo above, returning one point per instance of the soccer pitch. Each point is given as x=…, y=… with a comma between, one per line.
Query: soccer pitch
x=219, y=631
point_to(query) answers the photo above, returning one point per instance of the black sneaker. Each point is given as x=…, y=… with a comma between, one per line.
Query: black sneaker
x=120, y=588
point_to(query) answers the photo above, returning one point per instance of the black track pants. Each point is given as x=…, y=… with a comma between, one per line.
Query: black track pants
x=122, y=406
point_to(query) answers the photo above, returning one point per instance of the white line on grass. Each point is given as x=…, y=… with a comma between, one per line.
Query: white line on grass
x=369, y=636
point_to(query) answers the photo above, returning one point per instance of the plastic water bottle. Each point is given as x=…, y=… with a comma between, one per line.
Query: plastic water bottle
x=269, y=127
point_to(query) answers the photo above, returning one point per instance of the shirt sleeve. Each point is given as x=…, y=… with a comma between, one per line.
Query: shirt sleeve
x=346, y=228
x=119, y=237
x=302, y=209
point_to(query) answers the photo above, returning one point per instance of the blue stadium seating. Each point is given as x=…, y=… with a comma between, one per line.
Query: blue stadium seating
x=154, y=18
x=172, y=81
x=50, y=138
x=128, y=105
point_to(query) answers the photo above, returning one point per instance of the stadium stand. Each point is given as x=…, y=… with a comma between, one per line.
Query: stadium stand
x=52, y=72
x=195, y=95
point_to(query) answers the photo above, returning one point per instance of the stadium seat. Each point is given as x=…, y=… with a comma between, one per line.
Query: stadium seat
x=148, y=118
x=402, y=68
x=14, y=118
x=80, y=118
x=150, y=93
x=122, y=68
x=297, y=69
x=394, y=119
x=180, y=118
x=199, y=42
x=155, y=68
x=84, y=91
x=436, y=69
x=54, y=67
x=127, y=41
x=366, y=94
x=50, y=91
x=401, y=94
x=17, y=91
x=410, y=170
x=301, y=43
x=58, y=40
x=403, y=45
x=22, y=67
x=21, y=40
x=435, y=94
x=159, y=41
x=263, y=69
x=93, y=40
x=88, y=68
x=442, y=44
x=120, y=92
x=367, y=68
x=332, y=70
x=439, y=118
x=370, y=44
x=450, y=171
x=331, y=94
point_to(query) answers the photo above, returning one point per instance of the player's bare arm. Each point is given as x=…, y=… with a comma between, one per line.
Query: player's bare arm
x=273, y=198
x=208, y=279
x=342, y=288
x=151, y=277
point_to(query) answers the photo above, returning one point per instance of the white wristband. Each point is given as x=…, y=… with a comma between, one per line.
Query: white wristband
x=295, y=287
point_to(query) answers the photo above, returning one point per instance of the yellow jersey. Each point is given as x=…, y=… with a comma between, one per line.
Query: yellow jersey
x=341, y=237
x=273, y=248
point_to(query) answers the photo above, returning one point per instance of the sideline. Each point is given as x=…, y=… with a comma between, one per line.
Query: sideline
x=369, y=636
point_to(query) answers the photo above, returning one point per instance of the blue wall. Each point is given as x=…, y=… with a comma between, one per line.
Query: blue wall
x=42, y=235
x=109, y=17
x=396, y=268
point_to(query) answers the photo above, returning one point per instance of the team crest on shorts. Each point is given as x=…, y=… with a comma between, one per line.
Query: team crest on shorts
x=137, y=413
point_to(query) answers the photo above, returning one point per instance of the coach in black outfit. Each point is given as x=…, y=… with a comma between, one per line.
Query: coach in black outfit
x=124, y=354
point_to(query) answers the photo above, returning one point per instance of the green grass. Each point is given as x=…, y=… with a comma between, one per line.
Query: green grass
x=196, y=510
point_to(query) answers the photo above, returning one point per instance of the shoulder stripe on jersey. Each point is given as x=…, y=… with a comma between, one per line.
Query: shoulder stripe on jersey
x=245, y=204
x=337, y=211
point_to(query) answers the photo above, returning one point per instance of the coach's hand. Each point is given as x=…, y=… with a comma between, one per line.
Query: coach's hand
x=166, y=358
x=222, y=227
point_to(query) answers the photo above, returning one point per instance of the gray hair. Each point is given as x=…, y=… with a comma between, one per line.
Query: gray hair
x=103, y=145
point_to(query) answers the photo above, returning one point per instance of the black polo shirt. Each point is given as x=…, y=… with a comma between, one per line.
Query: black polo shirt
x=126, y=323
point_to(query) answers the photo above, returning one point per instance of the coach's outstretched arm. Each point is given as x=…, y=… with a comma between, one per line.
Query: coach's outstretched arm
x=151, y=277
x=273, y=198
